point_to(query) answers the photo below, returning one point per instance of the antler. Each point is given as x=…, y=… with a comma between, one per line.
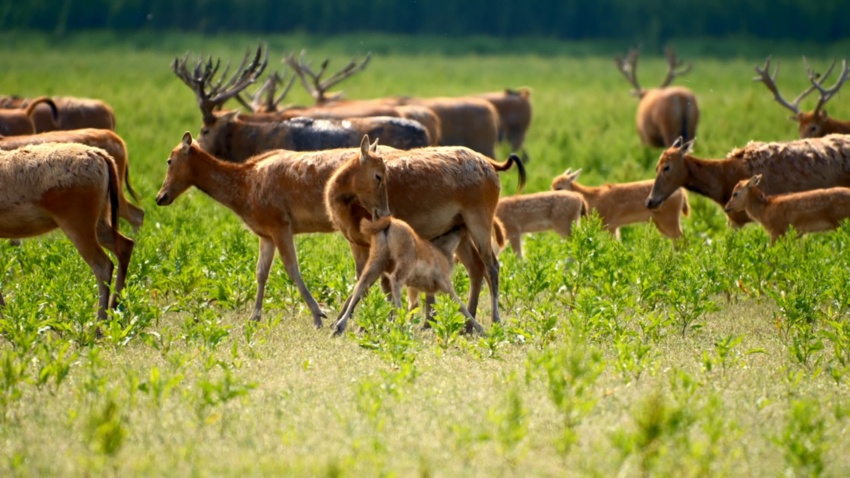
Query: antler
x=315, y=86
x=263, y=100
x=827, y=94
x=672, y=64
x=210, y=95
x=770, y=81
x=628, y=67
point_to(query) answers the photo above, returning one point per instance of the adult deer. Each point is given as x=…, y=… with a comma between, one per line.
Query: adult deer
x=666, y=112
x=226, y=136
x=64, y=112
x=815, y=123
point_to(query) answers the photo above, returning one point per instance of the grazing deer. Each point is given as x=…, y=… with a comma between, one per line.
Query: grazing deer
x=622, y=204
x=514, y=108
x=225, y=136
x=787, y=167
x=404, y=258
x=807, y=211
x=277, y=194
x=538, y=212
x=19, y=121
x=104, y=139
x=434, y=190
x=70, y=113
x=666, y=112
x=72, y=187
x=815, y=123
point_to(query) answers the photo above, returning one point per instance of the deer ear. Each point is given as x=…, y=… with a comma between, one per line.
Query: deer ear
x=678, y=142
x=756, y=180
x=187, y=141
x=364, y=147
x=689, y=146
x=374, y=147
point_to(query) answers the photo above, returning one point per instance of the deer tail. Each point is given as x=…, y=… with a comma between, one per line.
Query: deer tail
x=686, y=207
x=54, y=112
x=499, y=232
x=370, y=228
x=513, y=159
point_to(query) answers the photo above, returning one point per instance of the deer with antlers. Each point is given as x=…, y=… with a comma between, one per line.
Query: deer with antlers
x=815, y=123
x=666, y=112
x=228, y=136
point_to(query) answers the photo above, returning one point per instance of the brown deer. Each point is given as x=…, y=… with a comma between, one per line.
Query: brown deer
x=405, y=259
x=787, y=167
x=226, y=136
x=278, y=194
x=72, y=187
x=815, y=123
x=70, y=113
x=666, y=112
x=432, y=189
x=807, y=211
x=19, y=121
x=104, y=139
x=514, y=108
x=622, y=204
x=537, y=212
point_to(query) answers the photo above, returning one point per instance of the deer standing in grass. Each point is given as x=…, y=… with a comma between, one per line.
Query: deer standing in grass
x=434, y=190
x=405, y=259
x=66, y=113
x=277, y=194
x=514, y=108
x=544, y=211
x=666, y=112
x=104, y=139
x=19, y=121
x=72, y=187
x=787, y=167
x=807, y=211
x=622, y=204
x=815, y=123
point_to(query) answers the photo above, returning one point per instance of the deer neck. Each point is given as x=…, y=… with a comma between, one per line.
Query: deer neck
x=834, y=126
x=756, y=203
x=223, y=181
x=712, y=178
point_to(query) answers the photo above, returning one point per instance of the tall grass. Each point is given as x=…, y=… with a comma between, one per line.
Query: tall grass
x=632, y=357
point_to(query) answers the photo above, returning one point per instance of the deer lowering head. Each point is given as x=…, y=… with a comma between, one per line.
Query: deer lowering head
x=628, y=67
x=211, y=93
x=815, y=123
x=312, y=80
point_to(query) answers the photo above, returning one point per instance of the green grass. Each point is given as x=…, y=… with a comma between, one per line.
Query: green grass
x=613, y=359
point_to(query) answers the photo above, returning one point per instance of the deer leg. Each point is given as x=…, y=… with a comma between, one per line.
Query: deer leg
x=472, y=325
x=122, y=246
x=474, y=268
x=515, y=238
x=264, y=264
x=479, y=232
x=372, y=272
x=286, y=245
x=361, y=256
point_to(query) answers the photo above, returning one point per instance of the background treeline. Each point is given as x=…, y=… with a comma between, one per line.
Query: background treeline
x=647, y=21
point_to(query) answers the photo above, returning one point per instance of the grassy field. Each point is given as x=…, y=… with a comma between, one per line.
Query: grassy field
x=720, y=357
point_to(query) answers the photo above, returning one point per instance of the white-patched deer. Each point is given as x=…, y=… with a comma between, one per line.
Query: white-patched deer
x=622, y=204
x=434, y=190
x=666, y=112
x=544, y=211
x=787, y=167
x=815, y=123
x=807, y=211
x=74, y=188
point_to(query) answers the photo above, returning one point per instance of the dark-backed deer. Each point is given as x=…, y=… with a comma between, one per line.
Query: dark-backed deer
x=815, y=123
x=405, y=259
x=434, y=190
x=104, y=139
x=787, y=167
x=666, y=112
x=622, y=204
x=16, y=121
x=74, y=188
x=808, y=211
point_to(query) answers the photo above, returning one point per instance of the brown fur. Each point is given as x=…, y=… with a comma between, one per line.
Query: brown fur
x=544, y=211
x=664, y=114
x=277, y=194
x=72, y=187
x=70, y=113
x=807, y=211
x=817, y=124
x=434, y=190
x=15, y=122
x=405, y=259
x=622, y=204
x=514, y=108
x=100, y=138
x=787, y=167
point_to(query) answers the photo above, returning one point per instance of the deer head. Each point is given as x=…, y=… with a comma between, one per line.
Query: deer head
x=313, y=82
x=211, y=93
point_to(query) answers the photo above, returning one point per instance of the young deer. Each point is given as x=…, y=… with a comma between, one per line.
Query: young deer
x=405, y=259
x=623, y=204
x=72, y=187
x=807, y=211
x=666, y=112
x=815, y=123
x=544, y=211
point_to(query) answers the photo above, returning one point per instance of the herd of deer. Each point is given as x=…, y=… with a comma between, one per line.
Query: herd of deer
x=424, y=192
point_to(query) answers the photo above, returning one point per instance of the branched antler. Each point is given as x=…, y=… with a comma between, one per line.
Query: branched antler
x=770, y=81
x=827, y=94
x=312, y=81
x=266, y=99
x=628, y=67
x=672, y=64
x=201, y=78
